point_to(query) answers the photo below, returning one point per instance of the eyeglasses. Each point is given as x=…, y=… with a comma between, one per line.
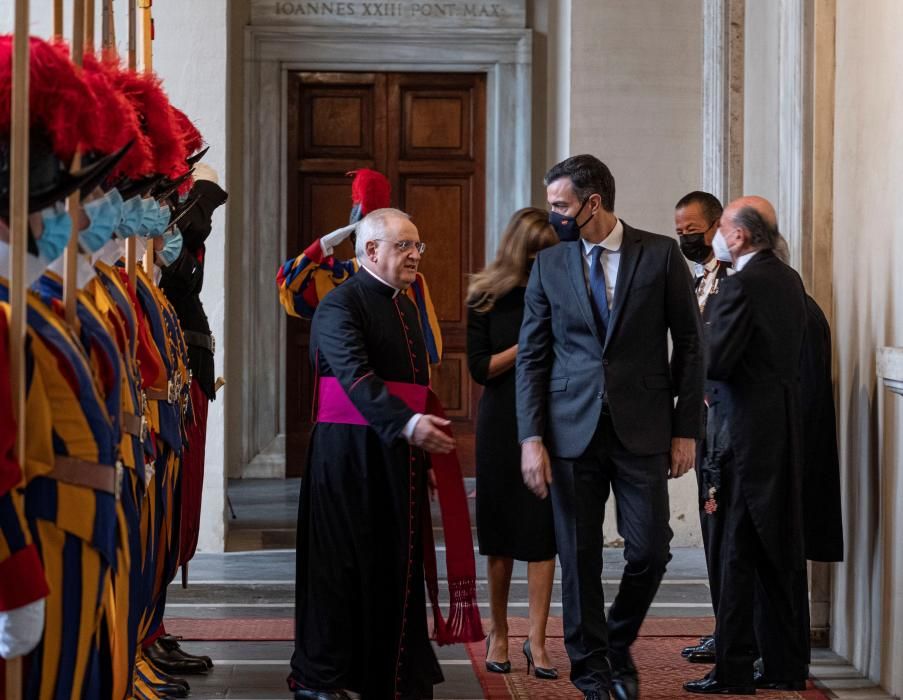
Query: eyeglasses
x=405, y=246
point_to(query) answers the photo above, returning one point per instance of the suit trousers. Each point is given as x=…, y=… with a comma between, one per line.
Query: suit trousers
x=580, y=489
x=776, y=627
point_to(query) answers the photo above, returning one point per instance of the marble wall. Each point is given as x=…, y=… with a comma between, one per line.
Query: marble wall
x=868, y=313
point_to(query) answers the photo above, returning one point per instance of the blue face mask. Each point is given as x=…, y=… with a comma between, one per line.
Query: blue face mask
x=104, y=215
x=149, y=215
x=56, y=233
x=132, y=212
x=172, y=247
x=158, y=227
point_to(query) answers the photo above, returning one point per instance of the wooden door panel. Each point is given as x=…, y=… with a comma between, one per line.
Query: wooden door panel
x=338, y=116
x=426, y=132
x=439, y=209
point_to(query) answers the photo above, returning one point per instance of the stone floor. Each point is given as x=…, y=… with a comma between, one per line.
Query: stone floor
x=254, y=579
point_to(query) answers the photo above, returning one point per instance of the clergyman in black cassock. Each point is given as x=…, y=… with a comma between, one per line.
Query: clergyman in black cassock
x=360, y=603
x=755, y=339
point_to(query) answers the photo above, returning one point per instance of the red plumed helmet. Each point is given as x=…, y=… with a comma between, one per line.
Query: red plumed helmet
x=370, y=190
x=158, y=120
x=116, y=122
x=190, y=134
x=59, y=99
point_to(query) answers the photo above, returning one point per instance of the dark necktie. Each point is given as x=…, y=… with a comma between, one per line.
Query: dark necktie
x=597, y=288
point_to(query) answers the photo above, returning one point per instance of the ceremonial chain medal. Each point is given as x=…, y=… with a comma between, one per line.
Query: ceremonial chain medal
x=702, y=293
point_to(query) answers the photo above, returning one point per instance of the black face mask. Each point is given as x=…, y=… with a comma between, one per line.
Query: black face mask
x=567, y=227
x=694, y=247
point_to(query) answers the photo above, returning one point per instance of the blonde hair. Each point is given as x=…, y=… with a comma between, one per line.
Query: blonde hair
x=528, y=232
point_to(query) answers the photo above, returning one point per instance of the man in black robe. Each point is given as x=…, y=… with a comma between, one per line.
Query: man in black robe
x=756, y=335
x=360, y=603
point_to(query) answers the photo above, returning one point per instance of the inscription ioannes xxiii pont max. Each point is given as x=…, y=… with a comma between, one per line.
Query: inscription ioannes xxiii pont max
x=402, y=10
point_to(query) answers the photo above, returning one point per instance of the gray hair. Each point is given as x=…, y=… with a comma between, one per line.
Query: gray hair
x=782, y=250
x=762, y=235
x=374, y=226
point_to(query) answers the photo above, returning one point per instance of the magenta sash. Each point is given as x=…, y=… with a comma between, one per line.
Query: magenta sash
x=463, y=622
x=334, y=406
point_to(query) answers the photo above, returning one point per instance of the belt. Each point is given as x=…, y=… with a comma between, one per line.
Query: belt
x=201, y=340
x=78, y=472
x=134, y=425
x=171, y=395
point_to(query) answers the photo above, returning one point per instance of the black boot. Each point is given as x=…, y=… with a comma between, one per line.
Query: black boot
x=174, y=662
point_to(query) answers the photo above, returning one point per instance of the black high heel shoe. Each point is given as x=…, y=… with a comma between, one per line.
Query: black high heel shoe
x=496, y=666
x=548, y=674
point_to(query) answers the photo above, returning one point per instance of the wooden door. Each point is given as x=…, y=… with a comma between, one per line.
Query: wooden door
x=426, y=133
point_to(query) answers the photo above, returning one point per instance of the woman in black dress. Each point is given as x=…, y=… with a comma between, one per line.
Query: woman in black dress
x=512, y=523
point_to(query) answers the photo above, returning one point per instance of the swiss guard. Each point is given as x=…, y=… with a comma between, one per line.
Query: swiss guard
x=71, y=475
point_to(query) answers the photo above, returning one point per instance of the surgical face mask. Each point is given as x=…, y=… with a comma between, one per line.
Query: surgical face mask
x=719, y=246
x=150, y=213
x=694, y=247
x=56, y=233
x=567, y=227
x=104, y=215
x=172, y=247
x=164, y=214
x=132, y=213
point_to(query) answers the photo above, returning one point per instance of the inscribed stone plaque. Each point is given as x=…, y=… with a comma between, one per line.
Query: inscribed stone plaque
x=485, y=14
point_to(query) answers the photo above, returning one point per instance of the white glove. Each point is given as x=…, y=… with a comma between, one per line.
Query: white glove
x=21, y=629
x=202, y=171
x=331, y=240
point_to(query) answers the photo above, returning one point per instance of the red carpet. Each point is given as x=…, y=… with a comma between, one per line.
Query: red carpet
x=657, y=655
x=662, y=672
x=282, y=628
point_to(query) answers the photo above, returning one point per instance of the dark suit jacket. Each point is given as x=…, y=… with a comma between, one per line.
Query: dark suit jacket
x=565, y=369
x=755, y=341
x=822, y=512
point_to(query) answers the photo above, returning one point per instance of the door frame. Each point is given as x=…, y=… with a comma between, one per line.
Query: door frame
x=271, y=53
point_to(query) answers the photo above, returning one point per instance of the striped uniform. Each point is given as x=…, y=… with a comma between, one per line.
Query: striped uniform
x=21, y=574
x=75, y=527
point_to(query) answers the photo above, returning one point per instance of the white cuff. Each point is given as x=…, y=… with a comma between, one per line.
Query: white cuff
x=408, y=431
x=532, y=438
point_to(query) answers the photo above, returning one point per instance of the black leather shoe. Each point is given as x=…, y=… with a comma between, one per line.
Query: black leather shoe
x=704, y=653
x=311, y=694
x=625, y=681
x=709, y=686
x=170, y=645
x=764, y=684
x=169, y=690
x=173, y=662
x=686, y=651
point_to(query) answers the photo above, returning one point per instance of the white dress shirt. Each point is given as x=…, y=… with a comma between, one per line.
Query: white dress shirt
x=611, y=259
x=743, y=259
x=408, y=430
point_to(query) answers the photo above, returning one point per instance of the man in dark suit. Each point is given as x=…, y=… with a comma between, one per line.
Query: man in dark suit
x=755, y=341
x=696, y=218
x=595, y=390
